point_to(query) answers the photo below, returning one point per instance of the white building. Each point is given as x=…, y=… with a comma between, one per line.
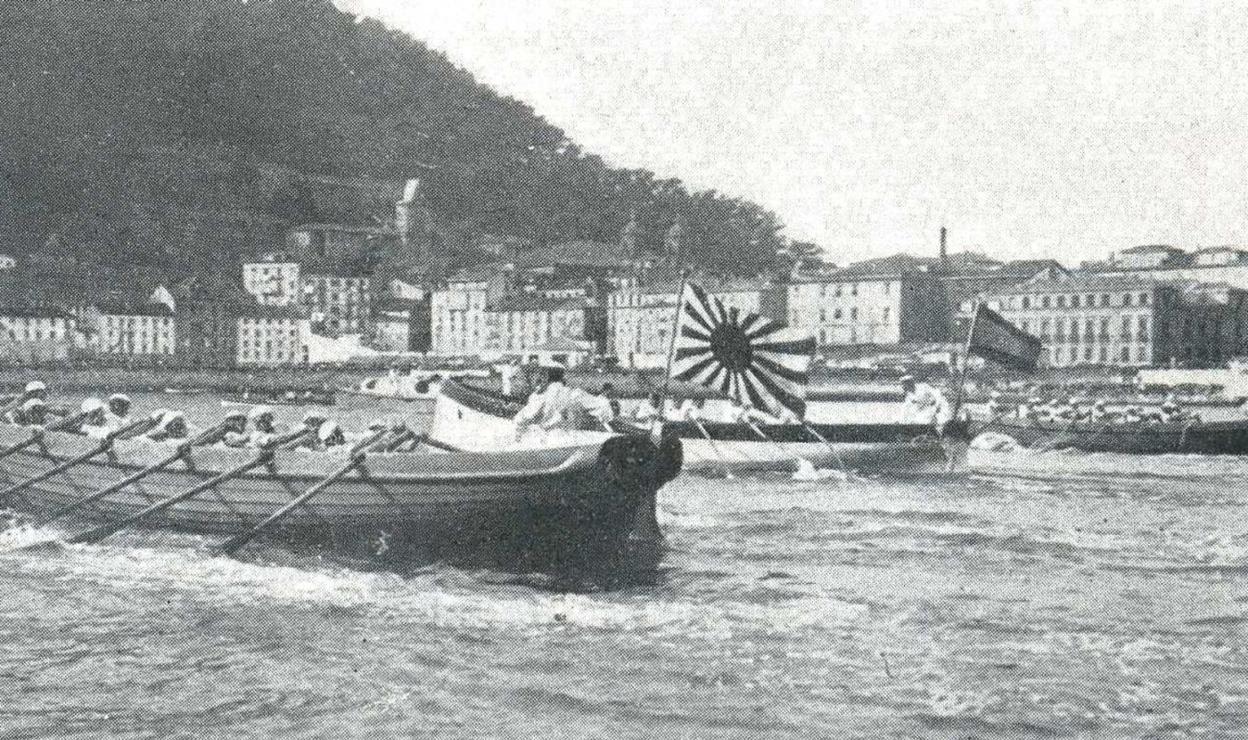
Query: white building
x=457, y=319
x=862, y=306
x=134, y=330
x=273, y=336
x=274, y=282
x=33, y=334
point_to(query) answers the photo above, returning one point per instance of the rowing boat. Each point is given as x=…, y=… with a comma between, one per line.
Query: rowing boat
x=477, y=418
x=580, y=507
x=1143, y=438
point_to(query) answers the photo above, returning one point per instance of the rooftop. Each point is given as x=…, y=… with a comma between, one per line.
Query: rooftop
x=536, y=302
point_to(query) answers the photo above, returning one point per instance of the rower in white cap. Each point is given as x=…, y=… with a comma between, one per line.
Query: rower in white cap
x=171, y=427
x=33, y=413
x=92, y=419
x=330, y=435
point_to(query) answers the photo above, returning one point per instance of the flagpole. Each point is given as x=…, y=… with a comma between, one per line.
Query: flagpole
x=671, y=344
x=966, y=354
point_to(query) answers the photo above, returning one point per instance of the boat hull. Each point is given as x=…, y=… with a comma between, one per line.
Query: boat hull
x=1143, y=438
x=474, y=418
x=546, y=509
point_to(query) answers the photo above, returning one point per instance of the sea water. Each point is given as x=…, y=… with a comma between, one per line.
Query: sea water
x=1050, y=595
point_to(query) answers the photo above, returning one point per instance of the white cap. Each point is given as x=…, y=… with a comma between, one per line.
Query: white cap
x=90, y=405
x=119, y=397
x=258, y=412
x=312, y=416
x=236, y=414
x=35, y=385
x=906, y=379
x=327, y=430
x=159, y=414
x=169, y=417
x=33, y=403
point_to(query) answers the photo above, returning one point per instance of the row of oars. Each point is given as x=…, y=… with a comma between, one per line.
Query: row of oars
x=798, y=459
x=379, y=440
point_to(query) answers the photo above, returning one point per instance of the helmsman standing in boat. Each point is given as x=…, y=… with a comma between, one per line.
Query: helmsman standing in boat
x=924, y=404
x=556, y=406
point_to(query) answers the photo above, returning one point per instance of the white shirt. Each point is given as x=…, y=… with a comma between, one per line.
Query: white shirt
x=926, y=405
x=561, y=407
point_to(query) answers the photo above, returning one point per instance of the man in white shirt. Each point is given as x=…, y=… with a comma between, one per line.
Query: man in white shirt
x=556, y=406
x=924, y=404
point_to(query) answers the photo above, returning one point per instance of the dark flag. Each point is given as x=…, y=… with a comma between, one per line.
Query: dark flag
x=744, y=356
x=993, y=338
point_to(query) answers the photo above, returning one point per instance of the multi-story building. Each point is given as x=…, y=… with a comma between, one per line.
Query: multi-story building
x=338, y=302
x=273, y=281
x=521, y=323
x=30, y=334
x=1128, y=320
x=457, y=321
x=273, y=336
x=208, y=308
x=134, y=330
x=1222, y=264
x=880, y=302
x=640, y=316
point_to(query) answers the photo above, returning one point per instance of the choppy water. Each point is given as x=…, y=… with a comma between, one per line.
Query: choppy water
x=1070, y=596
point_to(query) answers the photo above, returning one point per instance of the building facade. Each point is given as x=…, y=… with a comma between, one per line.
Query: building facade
x=34, y=334
x=274, y=282
x=1129, y=320
x=273, y=336
x=520, y=324
x=337, y=303
x=146, y=330
x=848, y=307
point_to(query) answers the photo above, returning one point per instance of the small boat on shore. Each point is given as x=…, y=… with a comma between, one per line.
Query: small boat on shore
x=286, y=397
x=577, y=508
x=1138, y=438
x=477, y=418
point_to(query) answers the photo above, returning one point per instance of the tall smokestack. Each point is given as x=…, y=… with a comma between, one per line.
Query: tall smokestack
x=944, y=249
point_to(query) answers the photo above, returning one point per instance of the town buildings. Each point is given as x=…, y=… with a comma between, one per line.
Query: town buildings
x=881, y=302
x=1128, y=320
x=34, y=334
x=142, y=330
x=272, y=336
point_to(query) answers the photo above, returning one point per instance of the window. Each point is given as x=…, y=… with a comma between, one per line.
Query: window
x=1044, y=301
x=1126, y=354
x=836, y=314
x=1074, y=301
x=1061, y=301
x=1143, y=299
x=1126, y=300
x=838, y=291
x=853, y=289
x=823, y=315
x=1074, y=330
x=853, y=313
x=1026, y=302
x=886, y=313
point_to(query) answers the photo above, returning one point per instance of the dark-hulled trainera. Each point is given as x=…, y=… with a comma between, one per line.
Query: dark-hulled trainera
x=584, y=507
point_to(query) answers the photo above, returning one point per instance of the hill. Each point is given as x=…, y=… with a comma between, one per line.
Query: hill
x=182, y=135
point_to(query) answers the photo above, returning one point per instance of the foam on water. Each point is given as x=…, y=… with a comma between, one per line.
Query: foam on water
x=1075, y=596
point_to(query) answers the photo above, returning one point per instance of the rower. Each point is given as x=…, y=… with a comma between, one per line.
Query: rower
x=330, y=435
x=262, y=428
x=994, y=408
x=556, y=406
x=171, y=427
x=1132, y=415
x=232, y=432
x=92, y=421
x=312, y=421
x=1099, y=412
x=118, y=413
x=32, y=413
x=924, y=404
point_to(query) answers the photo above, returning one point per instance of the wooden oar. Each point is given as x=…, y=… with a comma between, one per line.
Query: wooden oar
x=798, y=459
x=358, y=454
x=840, y=462
x=36, y=435
x=104, y=446
x=15, y=402
x=265, y=457
x=714, y=447
x=183, y=451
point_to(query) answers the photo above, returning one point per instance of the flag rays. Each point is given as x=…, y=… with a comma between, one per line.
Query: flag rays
x=744, y=356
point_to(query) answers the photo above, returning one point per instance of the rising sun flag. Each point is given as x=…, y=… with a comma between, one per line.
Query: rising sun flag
x=742, y=355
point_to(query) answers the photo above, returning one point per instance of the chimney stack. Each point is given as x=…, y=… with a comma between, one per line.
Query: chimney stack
x=944, y=249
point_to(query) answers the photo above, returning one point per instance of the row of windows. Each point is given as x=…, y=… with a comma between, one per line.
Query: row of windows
x=1075, y=300
x=1072, y=355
